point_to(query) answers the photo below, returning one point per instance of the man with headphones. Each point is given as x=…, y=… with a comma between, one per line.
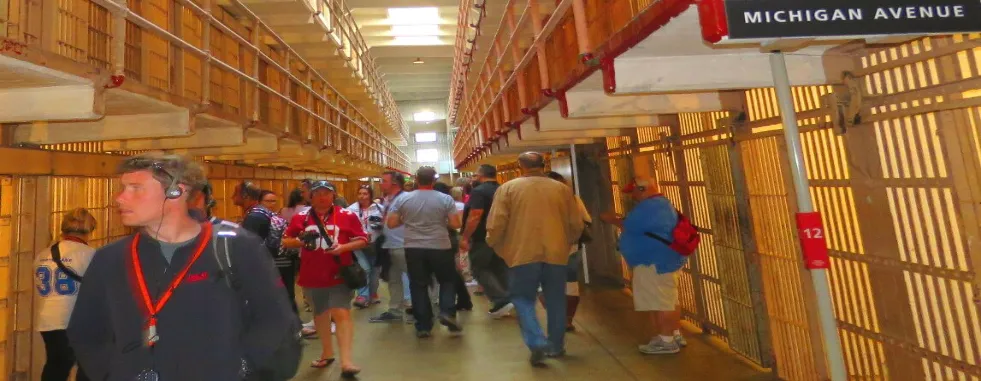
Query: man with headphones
x=655, y=265
x=158, y=305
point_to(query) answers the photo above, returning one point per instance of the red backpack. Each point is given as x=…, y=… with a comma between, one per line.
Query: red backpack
x=684, y=236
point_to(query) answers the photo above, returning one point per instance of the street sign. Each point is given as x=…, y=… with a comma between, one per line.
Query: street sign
x=771, y=19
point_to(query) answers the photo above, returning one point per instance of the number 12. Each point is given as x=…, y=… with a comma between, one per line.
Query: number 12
x=814, y=233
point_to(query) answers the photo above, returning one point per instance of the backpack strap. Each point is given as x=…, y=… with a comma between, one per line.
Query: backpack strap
x=659, y=238
x=56, y=257
x=219, y=246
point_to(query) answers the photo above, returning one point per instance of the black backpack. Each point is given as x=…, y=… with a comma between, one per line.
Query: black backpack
x=285, y=361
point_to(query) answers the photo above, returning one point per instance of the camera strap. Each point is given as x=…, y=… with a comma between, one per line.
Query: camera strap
x=323, y=231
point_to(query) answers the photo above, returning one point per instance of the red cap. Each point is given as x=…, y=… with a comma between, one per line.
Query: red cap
x=630, y=187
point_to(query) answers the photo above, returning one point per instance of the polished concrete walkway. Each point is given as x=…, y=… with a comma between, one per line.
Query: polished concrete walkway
x=603, y=348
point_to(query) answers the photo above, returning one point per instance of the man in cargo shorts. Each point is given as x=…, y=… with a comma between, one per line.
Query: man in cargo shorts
x=655, y=265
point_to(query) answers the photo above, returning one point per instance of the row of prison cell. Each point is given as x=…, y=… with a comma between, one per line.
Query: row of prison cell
x=900, y=194
x=539, y=47
x=31, y=210
x=220, y=60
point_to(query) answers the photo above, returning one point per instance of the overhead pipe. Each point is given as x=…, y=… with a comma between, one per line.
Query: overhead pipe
x=118, y=75
x=536, y=25
x=582, y=31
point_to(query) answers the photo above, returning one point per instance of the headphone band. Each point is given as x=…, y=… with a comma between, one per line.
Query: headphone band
x=172, y=190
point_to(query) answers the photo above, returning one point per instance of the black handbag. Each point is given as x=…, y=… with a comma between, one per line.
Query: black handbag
x=586, y=236
x=353, y=275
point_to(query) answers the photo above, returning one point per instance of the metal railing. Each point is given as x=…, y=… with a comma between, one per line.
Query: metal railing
x=194, y=45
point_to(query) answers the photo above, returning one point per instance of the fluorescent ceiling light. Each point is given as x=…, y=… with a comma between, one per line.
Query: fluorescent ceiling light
x=413, y=16
x=415, y=30
x=424, y=116
x=429, y=155
x=416, y=40
x=425, y=137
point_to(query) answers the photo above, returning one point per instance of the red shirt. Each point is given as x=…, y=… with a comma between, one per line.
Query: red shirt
x=317, y=268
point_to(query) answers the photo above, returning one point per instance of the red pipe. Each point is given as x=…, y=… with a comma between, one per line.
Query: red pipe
x=115, y=81
x=609, y=76
x=712, y=18
x=563, y=105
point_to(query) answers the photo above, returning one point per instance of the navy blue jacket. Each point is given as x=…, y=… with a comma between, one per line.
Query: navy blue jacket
x=204, y=333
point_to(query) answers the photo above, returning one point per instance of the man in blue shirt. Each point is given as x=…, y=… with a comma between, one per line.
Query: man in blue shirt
x=395, y=269
x=655, y=265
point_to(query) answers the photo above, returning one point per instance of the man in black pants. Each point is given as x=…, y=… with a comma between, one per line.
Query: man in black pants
x=427, y=216
x=259, y=220
x=489, y=269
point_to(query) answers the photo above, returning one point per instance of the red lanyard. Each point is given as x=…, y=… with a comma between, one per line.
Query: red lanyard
x=152, y=309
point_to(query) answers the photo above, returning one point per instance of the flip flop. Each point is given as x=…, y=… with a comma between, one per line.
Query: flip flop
x=350, y=373
x=322, y=363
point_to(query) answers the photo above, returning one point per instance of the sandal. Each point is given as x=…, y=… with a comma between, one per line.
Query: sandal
x=322, y=363
x=350, y=373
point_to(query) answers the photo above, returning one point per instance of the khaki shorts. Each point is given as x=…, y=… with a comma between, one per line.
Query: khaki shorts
x=653, y=291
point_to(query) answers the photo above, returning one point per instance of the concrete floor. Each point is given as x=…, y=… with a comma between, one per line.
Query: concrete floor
x=604, y=347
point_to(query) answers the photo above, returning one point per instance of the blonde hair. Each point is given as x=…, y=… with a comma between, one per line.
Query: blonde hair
x=78, y=221
x=457, y=193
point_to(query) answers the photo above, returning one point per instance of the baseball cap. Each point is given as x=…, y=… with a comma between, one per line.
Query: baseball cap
x=634, y=183
x=321, y=184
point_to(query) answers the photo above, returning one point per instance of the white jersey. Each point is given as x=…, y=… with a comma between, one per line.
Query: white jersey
x=56, y=289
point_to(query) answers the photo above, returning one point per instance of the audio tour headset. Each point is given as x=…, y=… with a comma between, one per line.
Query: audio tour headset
x=173, y=190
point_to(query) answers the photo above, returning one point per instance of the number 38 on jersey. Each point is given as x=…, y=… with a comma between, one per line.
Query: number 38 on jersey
x=48, y=280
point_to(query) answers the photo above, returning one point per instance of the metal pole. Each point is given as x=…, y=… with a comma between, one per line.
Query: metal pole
x=819, y=276
x=575, y=187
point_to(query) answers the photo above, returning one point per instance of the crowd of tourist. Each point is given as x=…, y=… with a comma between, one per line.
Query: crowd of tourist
x=190, y=296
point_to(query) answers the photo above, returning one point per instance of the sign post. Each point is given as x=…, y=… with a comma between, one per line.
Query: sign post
x=810, y=229
x=575, y=187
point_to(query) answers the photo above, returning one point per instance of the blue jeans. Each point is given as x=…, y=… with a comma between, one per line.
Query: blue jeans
x=366, y=258
x=524, y=281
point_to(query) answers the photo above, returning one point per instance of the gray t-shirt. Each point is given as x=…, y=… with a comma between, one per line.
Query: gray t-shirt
x=425, y=214
x=393, y=237
x=169, y=248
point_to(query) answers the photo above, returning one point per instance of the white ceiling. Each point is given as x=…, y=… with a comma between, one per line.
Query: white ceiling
x=394, y=58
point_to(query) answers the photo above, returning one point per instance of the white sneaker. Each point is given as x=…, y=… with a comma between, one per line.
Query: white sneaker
x=681, y=340
x=308, y=324
x=505, y=310
x=657, y=346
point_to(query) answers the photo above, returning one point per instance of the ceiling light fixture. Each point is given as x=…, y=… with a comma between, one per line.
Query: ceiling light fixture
x=418, y=61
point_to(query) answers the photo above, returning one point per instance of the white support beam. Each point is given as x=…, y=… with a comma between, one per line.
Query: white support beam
x=202, y=138
x=55, y=103
x=254, y=144
x=112, y=127
x=550, y=120
x=714, y=72
x=596, y=103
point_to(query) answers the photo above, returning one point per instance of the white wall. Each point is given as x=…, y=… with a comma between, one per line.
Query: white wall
x=443, y=141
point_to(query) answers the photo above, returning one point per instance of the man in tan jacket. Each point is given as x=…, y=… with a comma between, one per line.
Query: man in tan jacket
x=532, y=223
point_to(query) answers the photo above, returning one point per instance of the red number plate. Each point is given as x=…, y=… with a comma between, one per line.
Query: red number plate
x=813, y=243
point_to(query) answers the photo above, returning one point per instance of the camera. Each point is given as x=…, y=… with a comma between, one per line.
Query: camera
x=375, y=222
x=309, y=239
